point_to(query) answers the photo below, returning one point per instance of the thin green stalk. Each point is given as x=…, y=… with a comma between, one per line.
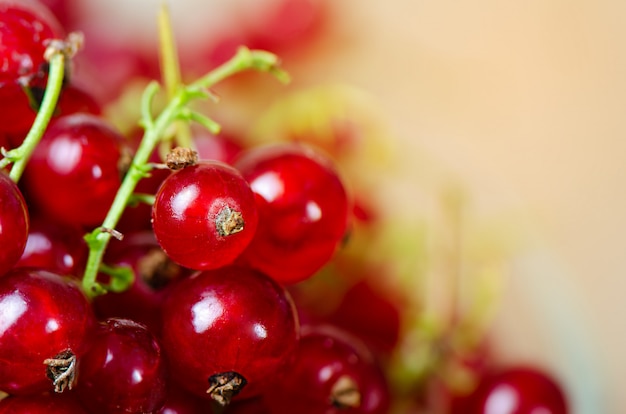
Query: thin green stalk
x=176, y=109
x=20, y=155
x=170, y=69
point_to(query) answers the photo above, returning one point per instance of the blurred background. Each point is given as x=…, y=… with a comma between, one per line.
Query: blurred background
x=519, y=103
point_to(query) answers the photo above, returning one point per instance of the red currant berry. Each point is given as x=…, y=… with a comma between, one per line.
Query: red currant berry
x=364, y=310
x=64, y=10
x=221, y=147
x=204, y=215
x=41, y=404
x=74, y=99
x=518, y=390
x=154, y=272
x=14, y=223
x=123, y=371
x=74, y=172
x=303, y=210
x=71, y=100
x=332, y=372
x=228, y=330
x=286, y=23
x=27, y=27
x=55, y=247
x=44, y=322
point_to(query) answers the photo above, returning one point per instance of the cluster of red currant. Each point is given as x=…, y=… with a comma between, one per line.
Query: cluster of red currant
x=189, y=309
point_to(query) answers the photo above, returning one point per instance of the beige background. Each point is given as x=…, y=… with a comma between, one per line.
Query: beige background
x=525, y=101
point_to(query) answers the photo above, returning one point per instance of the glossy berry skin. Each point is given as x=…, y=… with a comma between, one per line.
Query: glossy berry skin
x=74, y=172
x=123, y=371
x=222, y=147
x=228, y=320
x=518, y=390
x=59, y=248
x=14, y=223
x=332, y=373
x=364, y=310
x=27, y=27
x=41, y=404
x=303, y=210
x=154, y=273
x=192, y=212
x=41, y=315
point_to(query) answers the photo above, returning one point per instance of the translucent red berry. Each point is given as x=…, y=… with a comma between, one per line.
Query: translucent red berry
x=518, y=390
x=303, y=210
x=44, y=322
x=75, y=171
x=204, y=215
x=154, y=272
x=221, y=147
x=123, y=371
x=332, y=373
x=14, y=223
x=227, y=331
x=27, y=27
x=57, y=247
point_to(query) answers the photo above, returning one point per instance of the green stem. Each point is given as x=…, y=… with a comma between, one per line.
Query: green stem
x=170, y=69
x=98, y=240
x=244, y=59
x=20, y=155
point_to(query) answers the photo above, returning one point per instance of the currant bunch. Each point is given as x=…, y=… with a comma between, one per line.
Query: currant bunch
x=162, y=270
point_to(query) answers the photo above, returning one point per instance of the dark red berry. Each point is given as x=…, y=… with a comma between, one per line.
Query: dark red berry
x=221, y=147
x=303, y=210
x=365, y=311
x=518, y=390
x=44, y=322
x=59, y=248
x=286, y=24
x=228, y=330
x=64, y=10
x=14, y=223
x=27, y=27
x=332, y=373
x=123, y=371
x=72, y=99
x=76, y=99
x=204, y=215
x=154, y=271
x=74, y=172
